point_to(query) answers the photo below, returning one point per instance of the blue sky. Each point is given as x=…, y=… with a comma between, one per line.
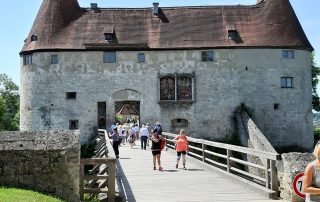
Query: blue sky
x=16, y=19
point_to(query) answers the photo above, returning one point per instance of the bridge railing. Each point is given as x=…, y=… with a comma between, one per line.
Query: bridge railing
x=101, y=176
x=232, y=159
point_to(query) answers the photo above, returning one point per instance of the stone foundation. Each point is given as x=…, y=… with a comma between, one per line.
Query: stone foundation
x=46, y=161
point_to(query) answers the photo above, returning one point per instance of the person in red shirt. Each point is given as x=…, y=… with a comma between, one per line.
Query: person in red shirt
x=181, y=148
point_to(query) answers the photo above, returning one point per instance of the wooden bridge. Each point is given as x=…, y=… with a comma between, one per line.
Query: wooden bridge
x=204, y=180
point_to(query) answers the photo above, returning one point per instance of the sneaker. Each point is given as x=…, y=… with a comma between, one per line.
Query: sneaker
x=176, y=166
x=160, y=168
x=154, y=168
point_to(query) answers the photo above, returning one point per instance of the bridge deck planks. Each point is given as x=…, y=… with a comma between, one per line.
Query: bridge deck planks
x=137, y=181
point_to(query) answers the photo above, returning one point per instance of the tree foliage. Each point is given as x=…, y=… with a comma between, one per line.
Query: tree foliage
x=9, y=104
x=315, y=81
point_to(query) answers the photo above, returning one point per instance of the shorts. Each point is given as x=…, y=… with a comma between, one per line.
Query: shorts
x=182, y=152
x=156, y=152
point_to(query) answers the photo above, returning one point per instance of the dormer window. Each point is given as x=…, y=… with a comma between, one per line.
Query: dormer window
x=109, y=33
x=34, y=37
x=108, y=36
x=232, y=34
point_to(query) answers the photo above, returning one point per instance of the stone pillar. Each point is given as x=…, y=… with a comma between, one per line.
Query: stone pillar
x=291, y=164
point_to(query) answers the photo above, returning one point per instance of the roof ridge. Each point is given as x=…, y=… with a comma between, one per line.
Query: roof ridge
x=178, y=7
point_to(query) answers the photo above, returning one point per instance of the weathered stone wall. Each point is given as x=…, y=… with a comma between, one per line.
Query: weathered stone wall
x=47, y=161
x=251, y=136
x=250, y=76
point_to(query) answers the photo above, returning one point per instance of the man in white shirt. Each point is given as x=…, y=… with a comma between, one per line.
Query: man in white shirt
x=144, y=135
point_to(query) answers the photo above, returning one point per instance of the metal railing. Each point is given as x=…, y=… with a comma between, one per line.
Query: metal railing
x=101, y=176
x=232, y=159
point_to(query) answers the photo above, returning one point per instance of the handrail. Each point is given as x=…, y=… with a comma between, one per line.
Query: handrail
x=206, y=151
x=103, y=171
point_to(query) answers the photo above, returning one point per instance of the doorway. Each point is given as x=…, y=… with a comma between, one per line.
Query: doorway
x=127, y=112
x=102, y=115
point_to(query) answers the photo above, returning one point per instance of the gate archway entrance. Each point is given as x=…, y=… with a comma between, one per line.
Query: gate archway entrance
x=127, y=111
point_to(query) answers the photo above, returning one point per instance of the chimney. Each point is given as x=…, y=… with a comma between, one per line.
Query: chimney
x=94, y=6
x=155, y=8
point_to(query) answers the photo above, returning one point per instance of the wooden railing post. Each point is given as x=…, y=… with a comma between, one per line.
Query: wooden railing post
x=81, y=181
x=228, y=160
x=267, y=175
x=111, y=181
x=203, y=152
x=274, y=177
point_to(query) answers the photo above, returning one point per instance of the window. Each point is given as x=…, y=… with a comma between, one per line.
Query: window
x=34, y=38
x=184, y=88
x=276, y=106
x=206, y=56
x=27, y=59
x=286, y=82
x=232, y=34
x=141, y=57
x=73, y=124
x=179, y=123
x=167, y=88
x=176, y=88
x=54, y=59
x=71, y=95
x=109, y=57
x=108, y=36
x=288, y=54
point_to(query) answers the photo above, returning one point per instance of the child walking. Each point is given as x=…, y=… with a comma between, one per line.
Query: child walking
x=181, y=148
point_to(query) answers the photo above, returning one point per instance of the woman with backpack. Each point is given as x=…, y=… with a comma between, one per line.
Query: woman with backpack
x=157, y=141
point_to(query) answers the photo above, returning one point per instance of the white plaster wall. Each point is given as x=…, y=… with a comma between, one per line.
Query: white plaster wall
x=220, y=87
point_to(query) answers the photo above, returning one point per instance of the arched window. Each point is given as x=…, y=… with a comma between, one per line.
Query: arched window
x=167, y=88
x=184, y=88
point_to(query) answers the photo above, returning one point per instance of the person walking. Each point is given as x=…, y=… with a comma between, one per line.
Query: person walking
x=115, y=141
x=120, y=130
x=158, y=128
x=311, y=179
x=144, y=134
x=131, y=138
x=156, y=149
x=181, y=148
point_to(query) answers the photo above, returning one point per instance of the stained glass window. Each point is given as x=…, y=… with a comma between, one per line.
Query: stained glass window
x=184, y=88
x=167, y=88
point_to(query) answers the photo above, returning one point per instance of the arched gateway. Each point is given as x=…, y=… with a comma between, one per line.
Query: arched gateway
x=127, y=104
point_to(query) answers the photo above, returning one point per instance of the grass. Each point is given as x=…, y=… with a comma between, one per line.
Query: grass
x=21, y=195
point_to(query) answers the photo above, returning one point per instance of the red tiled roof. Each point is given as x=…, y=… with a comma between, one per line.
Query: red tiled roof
x=64, y=25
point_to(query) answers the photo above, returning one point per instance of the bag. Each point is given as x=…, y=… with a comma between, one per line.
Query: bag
x=162, y=143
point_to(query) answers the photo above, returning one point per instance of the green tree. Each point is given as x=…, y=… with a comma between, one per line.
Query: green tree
x=316, y=133
x=9, y=104
x=315, y=81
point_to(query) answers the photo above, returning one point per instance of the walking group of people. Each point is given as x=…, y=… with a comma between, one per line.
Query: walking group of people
x=123, y=133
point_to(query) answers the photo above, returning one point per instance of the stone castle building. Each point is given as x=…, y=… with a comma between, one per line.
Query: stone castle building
x=187, y=67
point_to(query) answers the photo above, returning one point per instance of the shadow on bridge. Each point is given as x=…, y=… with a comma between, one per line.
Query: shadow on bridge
x=125, y=191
